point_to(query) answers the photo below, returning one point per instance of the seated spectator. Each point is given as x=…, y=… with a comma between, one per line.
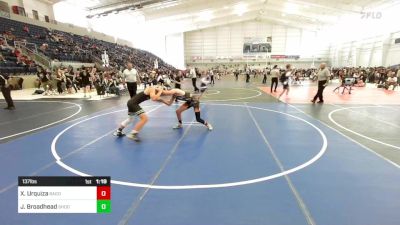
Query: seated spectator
x=44, y=47
x=391, y=80
x=359, y=83
x=99, y=83
x=2, y=58
x=17, y=52
x=112, y=86
x=26, y=29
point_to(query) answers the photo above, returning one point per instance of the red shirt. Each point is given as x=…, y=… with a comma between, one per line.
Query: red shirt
x=17, y=53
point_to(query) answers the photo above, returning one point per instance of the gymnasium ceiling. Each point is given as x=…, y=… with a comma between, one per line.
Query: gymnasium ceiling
x=200, y=14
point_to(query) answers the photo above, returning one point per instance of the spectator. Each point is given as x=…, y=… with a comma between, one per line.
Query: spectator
x=391, y=80
x=178, y=79
x=2, y=58
x=274, y=77
x=193, y=75
x=60, y=77
x=17, y=52
x=112, y=86
x=6, y=91
x=44, y=79
x=26, y=29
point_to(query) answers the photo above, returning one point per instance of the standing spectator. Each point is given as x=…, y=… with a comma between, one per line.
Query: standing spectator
x=43, y=80
x=264, y=81
x=193, y=75
x=236, y=73
x=144, y=78
x=274, y=77
x=85, y=81
x=130, y=76
x=247, y=75
x=178, y=79
x=69, y=81
x=323, y=76
x=6, y=91
x=60, y=77
x=212, y=77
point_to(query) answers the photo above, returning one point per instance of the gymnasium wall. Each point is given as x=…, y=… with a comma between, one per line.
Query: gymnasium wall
x=42, y=7
x=374, y=51
x=212, y=45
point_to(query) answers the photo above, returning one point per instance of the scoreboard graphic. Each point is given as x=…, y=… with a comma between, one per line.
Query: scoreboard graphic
x=64, y=195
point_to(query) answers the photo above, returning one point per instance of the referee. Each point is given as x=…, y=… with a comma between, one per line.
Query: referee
x=130, y=76
x=6, y=91
x=323, y=78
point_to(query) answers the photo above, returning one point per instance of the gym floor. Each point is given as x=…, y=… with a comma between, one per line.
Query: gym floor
x=265, y=162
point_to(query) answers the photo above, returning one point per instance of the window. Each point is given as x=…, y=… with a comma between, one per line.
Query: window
x=35, y=14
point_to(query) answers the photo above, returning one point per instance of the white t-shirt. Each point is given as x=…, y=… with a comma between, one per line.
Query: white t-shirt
x=130, y=75
x=392, y=79
x=275, y=73
x=193, y=73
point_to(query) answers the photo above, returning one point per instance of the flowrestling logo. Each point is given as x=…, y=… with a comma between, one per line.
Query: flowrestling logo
x=371, y=15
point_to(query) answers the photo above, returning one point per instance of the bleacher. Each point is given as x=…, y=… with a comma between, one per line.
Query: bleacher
x=11, y=65
x=64, y=46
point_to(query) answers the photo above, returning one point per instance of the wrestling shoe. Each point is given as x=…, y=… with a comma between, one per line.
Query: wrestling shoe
x=118, y=133
x=177, y=126
x=133, y=136
x=209, y=126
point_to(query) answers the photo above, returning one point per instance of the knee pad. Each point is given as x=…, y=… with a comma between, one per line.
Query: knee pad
x=198, y=118
x=127, y=121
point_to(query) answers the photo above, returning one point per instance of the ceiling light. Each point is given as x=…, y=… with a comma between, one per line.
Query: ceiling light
x=206, y=15
x=291, y=8
x=240, y=9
